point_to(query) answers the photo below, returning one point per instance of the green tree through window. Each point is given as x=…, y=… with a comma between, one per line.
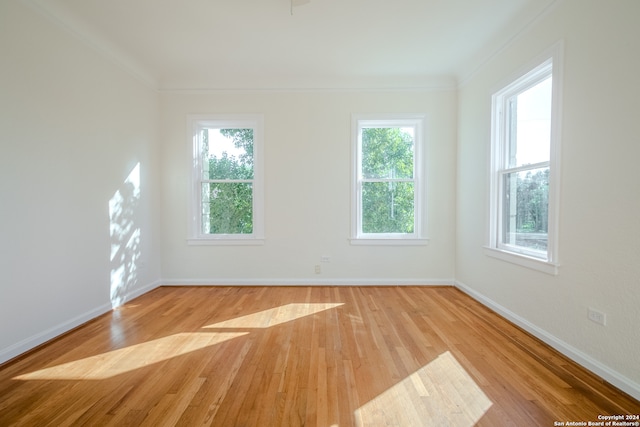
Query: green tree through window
x=524, y=190
x=227, y=187
x=387, y=188
x=388, y=202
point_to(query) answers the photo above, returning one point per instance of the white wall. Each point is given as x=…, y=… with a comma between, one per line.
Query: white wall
x=307, y=191
x=599, y=244
x=73, y=127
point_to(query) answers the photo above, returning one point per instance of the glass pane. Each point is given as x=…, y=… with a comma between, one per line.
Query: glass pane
x=227, y=154
x=227, y=208
x=387, y=207
x=526, y=209
x=387, y=153
x=530, y=121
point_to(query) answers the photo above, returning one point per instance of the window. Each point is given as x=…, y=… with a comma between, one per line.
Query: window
x=226, y=186
x=388, y=180
x=524, y=182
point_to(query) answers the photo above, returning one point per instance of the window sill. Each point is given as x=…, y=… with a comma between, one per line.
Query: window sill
x=225, y=242
x=389, y=242
x=523, y=260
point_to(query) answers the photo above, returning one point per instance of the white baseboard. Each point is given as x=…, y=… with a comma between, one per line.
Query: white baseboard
x=308, y=282
x=31, y=342
x=135, y=293
x=613, y=377
x=49, y=334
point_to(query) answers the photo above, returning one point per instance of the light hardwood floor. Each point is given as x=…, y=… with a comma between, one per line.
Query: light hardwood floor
x=293, y=356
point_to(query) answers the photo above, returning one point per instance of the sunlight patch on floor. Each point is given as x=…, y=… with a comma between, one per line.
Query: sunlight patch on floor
x=138, y=356
x=438, y=394
x=107, y=365
x=275, y=316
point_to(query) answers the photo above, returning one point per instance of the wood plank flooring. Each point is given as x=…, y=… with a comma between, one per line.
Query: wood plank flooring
x=301, y=356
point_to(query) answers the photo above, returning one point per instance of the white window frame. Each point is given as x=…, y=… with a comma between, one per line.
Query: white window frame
x=550, y=63
x=195, y=125
x=418, y=122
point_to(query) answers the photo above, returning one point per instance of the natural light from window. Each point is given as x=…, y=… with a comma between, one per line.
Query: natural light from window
x=220, y=144
x=275, y=316
x=534, y=124
x=439, y=394
x=387, y=179
x=525, y=166
x=125, y=237
x=112, y=363
x=137, y=356
x=226, y=189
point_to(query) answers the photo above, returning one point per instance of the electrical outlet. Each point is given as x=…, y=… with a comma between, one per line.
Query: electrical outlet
x=318, y=269
x=325, y=258
x=597, y=316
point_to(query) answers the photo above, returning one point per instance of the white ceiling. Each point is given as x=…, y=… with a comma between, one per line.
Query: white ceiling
x=259, y=44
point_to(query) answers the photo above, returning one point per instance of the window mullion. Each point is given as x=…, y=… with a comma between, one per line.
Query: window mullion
x=234, y=211
x=524, y=174
x=387, y=180
x=230, y=181
x=525, y=167
x=380, y=212
x=511, y=131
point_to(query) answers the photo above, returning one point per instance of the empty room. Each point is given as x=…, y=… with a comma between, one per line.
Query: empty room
x=319, y=213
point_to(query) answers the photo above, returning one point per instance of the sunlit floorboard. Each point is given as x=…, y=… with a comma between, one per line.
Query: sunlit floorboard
x=293, y=356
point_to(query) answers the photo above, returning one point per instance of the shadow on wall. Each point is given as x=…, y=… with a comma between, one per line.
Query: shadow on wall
x=125, y=237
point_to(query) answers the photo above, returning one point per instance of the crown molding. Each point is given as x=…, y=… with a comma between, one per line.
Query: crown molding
x=466, y=77
x=65, y=20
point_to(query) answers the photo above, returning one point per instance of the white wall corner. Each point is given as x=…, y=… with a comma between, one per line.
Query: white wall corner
x=139, y=291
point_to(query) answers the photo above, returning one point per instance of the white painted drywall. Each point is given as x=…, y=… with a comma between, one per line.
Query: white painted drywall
x=599, y=246
x=73, y=127
x=307, y=191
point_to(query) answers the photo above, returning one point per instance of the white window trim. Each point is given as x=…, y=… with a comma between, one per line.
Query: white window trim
x=195, y=123
x=418, y=237
x=550, y=264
